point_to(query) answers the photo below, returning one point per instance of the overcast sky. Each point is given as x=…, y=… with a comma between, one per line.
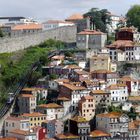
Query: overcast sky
x=60, y=9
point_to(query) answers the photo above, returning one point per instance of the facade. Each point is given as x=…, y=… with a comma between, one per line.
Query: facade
x=102, y=98
x=91, y=39
x=40, y=93
x=79, y=126
x=35, y=118
x=74, y=91
x=107, y=76
x=119, y=93
x=52, y=24
x=26, y=103
x=12, y=123
x=100, y=62
x=132, y=85
x=79, y=75
x=66, y=103
x=86, y=107
x=53, y=128
x=52, y=110
x=115, y=124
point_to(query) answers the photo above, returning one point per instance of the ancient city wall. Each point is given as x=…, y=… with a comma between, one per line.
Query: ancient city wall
x=66, y=34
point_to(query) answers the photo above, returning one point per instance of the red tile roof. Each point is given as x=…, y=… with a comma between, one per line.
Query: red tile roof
x=98, y=133
x=91, y=32
x=30, y=26
x=50, y=105
x=75, y=17
x=110, y=115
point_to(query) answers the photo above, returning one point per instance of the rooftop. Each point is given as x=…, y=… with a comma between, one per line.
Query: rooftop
x=79, y=119
x=20, y=132
x=116, y=86
x=98, y=133
x=91, y=32
x=76, y=16
x=30, y=26
x=110, y=115
x=67, y=136
x=34, y=114
x=50, y=105
x=8, y=138
x=73, y=87
x=26, y=95
x=98, y=92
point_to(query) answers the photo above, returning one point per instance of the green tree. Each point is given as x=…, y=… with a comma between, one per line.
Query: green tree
x=1, y=33
x=53, y=76
x=132, y=114
x=99, y=19
x=133, y=16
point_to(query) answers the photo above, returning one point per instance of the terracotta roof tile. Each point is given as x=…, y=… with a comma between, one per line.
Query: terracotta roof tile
x=75, y=17
x=110, y=115
x=50, y=105
x=98, y=92
x=26, y=95
x=132, y=126
x=30, y=26
x=67, y=136
x=34, y=114
x=99, y=133
x=20, y=132
x=91, y=32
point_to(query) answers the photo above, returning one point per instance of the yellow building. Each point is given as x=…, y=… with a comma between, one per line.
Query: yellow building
x=35, y=118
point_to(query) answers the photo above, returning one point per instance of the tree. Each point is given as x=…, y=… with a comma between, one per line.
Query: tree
x=133, y=16
x=1, y=33
x=132, y=114
x=99, y=18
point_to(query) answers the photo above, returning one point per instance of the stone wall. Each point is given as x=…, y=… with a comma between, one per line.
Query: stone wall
x=11, y=44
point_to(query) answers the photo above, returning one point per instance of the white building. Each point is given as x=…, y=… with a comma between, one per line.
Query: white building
x=52, y=110
x=119, y=93
x=52, y=24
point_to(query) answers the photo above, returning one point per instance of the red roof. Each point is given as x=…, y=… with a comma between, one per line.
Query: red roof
x=90, y=32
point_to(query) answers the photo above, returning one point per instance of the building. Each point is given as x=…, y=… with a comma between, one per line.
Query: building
x=35, y=118
x=79, y=126
x=113, y=123
x=52, y=110
x=91, y=40
x=78, y=20
x=102, y=98
x=115, y=20
x=132, y=85
x=12, y=123
x=26, y=29
x=86, y=107
x=119, y=93
x=79, y=75
x=26, y=103
x=123, y=50
x=100, y=62
x=40, y=93
x=99, y=135
x=108, y=76
x=74, y=91
x=128, y=33
x=57, y=60
x=23, y=135
x=53, y=24
x=53, y=128
x=66, y=103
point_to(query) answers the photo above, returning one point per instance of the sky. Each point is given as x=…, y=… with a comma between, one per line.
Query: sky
x=60, y=9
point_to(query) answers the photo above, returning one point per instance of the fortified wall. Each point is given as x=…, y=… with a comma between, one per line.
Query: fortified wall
x=11, y=44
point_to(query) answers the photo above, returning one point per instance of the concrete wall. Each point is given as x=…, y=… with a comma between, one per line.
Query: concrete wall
x=66, y=34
